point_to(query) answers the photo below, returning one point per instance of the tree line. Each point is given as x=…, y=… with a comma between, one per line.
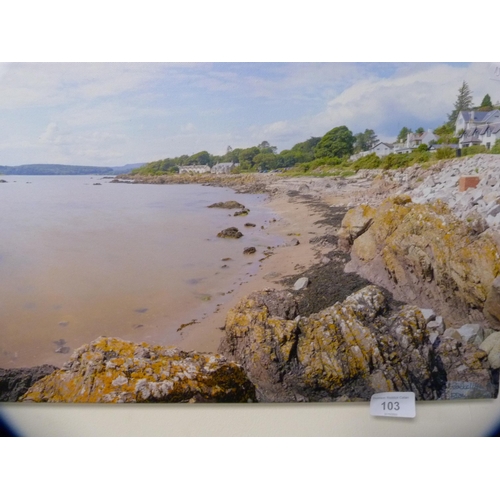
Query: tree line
x=333, y=148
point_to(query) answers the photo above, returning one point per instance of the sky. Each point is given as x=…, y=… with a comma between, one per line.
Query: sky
x=111, y=114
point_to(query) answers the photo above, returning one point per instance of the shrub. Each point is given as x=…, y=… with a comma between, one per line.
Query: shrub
x=445, y=153
x=474, y=150
x=496, y=147
x=370, y=161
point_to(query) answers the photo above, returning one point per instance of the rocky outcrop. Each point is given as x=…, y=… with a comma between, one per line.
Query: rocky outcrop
x=425, y=255
x=111, y=370
x=230, y=232
x=227, y=204
x=355, y=223
x=348, y=351
x=14, y=382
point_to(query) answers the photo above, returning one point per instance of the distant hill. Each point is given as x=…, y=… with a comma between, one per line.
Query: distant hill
x=126, y=168
x=56, y=169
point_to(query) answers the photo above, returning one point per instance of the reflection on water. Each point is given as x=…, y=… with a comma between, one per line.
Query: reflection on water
x=78, y=261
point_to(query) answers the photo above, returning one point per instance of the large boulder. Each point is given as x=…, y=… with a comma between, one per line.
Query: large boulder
x=14, y=382
x=425, y=255
x=345, y=352
x=111, y=370
x=261, y=333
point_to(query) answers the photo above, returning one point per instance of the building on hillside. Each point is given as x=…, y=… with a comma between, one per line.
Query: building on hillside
x=482, y=135
x=478, y=128
x=471, y=119
x=224, y=168
x=194, y=169
x=381, y=149
x=414, y=140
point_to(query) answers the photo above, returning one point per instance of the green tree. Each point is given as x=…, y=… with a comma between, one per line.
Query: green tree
x=403, y=133
x=307, y=146
x=336, y=143
x=446, y=134
x=265, y=147
x=265, y=161
x=288, y=158
x=463, y=103
x=365, y=140
x=201, y=158
x=246, y=156
x=420, y=130
x=486, y=104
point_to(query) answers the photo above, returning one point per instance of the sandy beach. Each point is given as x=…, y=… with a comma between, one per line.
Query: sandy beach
x=298, y=218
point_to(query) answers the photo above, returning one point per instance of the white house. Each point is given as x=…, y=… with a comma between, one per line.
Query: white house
x=194, y=169
x=482, y=135
x=414, y=140
x=381, y=149
x=224, y=168
x=471, y=119
x=478, y=128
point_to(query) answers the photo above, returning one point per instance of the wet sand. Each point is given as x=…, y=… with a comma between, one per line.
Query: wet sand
x=296, y=219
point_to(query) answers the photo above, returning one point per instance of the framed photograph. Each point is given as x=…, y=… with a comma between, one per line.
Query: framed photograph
x=249, y=232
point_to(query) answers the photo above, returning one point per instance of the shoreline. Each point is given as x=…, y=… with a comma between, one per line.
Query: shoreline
x=310, y=219
x=296, y=220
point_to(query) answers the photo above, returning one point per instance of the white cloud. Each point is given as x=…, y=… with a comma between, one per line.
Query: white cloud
x=414, y=95
x=105, y=113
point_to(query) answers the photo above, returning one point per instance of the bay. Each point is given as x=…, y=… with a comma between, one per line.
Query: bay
x=79, y=260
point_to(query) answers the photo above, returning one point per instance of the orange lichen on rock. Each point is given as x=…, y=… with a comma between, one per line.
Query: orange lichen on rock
x=111, y=370
x=423, y=252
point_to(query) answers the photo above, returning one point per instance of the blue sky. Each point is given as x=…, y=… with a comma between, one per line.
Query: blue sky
x=116, y=113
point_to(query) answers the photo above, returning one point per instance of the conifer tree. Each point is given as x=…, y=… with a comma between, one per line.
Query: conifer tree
x=486, y=103
x=463, y=103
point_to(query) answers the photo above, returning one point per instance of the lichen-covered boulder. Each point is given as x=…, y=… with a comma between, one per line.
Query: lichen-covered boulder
x=261, y=334
x=111, y=370
x=425, y=255
x=348, y=351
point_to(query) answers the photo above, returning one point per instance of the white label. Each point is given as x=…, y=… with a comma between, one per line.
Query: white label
x=393, y=404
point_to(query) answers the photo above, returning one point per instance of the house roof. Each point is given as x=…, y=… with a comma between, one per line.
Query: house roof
x=226, y=164
x=481, y=130
x=481, y=116
x=390, y=146
x=495, y=128
x=478, y=115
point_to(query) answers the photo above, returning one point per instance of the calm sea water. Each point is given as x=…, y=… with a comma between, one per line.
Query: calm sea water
x=136, y=261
